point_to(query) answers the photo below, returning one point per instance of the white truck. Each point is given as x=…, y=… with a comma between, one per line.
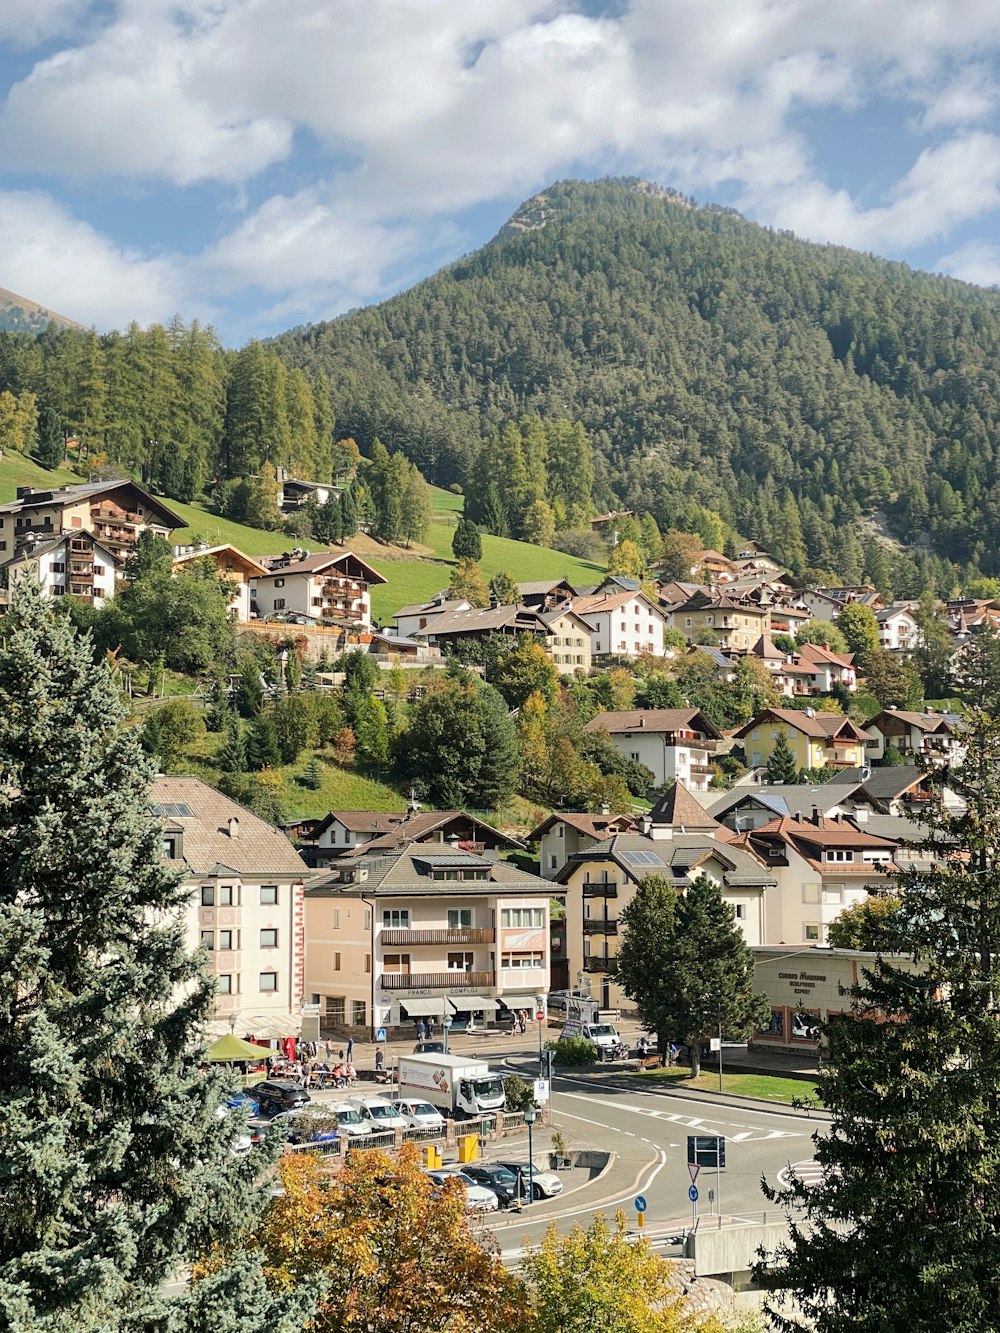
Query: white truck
x=583, y=1019
x=456, y=1085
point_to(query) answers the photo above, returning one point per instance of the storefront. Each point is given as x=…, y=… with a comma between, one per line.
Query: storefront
x=806, y=987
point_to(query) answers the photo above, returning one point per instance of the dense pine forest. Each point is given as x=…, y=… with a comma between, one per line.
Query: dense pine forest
x=614, y=347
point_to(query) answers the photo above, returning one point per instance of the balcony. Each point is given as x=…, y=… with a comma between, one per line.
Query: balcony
x=600, y=927
x=417, y=981
x=596, y=888
x=460, y=935
x=594, y=964
x=705, y=769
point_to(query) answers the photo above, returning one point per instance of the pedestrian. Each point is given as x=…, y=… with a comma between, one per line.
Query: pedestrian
x=379, y=1060
x=350, y=1049
x=328, y=1050
x=430, y=1028
x=420, y=1029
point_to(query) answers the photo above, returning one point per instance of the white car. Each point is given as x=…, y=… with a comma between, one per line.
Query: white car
x=544, y=1184
x=478, y=1199
x=419, y=1114
x=349, y=1120
x=379, y=1113
x=241, y=1143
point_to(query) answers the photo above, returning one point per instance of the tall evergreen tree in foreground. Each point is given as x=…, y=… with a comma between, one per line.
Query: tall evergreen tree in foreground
x=904, y=1230
x=116, y=1170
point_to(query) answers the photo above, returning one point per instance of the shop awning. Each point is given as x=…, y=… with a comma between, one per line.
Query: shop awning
x=473, y=1004
x=432, y=1007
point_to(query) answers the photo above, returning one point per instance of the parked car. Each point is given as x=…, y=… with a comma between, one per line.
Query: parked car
x=300, y=1126
x=239, y=1101
x=241, y=1142
x=277, y=1095
x=429, y=1048
x=419, y=1114
x=349, y=1117
x=379, y=1113
x=478, y=1198
x=500, y=1179
x=557, y=999
x=544, y=1184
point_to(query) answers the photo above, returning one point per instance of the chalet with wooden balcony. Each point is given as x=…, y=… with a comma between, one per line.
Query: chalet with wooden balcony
x=675, y=744
x=115, y=512
x=330, y=587
x=67, y=565
x=817, y=740
x=737, y=624
x=938, y=737
x=231, y=565
x=344, y=834
x=425, y=932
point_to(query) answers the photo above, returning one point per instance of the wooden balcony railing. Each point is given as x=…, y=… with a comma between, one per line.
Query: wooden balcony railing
x=459, y=935
x=595, y=888
x=436, y=980
x=593, y=964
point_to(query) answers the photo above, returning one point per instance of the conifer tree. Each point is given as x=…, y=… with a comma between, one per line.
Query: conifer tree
x=116, y=1172
x=467, y=544
x=903, y=1230
x=261, y=745
x=348, y=516
x=232, y=757
x=51, y=449
x=781, y=766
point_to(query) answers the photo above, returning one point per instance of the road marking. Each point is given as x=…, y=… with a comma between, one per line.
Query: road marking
x=809, y=1174
x=752, y=1134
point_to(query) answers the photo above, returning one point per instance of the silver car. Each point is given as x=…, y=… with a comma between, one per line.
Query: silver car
x=478, y=1199
x=544, y=1184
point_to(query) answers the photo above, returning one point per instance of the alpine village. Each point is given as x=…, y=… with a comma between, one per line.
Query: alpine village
x=501, y=798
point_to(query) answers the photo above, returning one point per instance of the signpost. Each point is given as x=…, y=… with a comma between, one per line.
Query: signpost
x=380, y=1034
x=707, y=1150
x=640, y=1208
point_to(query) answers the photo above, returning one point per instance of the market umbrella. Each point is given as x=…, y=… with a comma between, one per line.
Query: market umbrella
x=229, y=1048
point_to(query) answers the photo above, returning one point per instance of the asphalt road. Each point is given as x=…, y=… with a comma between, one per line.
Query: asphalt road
x=648, y=1132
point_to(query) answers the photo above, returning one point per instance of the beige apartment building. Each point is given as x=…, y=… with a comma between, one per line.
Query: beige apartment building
x=426, y=932
x=245, y=907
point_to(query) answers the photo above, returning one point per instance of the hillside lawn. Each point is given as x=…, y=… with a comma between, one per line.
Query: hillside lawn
x=413, y=577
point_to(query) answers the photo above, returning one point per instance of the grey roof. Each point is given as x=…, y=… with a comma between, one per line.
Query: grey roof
x=883, y=784
x=790, y=798
x=480, y=620
x=257, y=849
x=678, y=854
x=409, y=873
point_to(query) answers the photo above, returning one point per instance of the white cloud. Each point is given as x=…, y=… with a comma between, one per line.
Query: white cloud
x=68, y=266
x=976, y=261
x=970, y=97
x=27, y=22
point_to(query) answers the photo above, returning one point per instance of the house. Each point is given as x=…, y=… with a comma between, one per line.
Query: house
x=348, y=833
x=827, y=603
x=480, y=623
x=745, y=808
x=938, y=737
x=293, y=493
x=901, y=790
x=416, y=616
x=563, y=835
x=427, y=932
x=968, y=615
x=625, y=623
x=392, y=650
x=545, y=594
x=568, y=639
x=737, y=625
x=714, y=660
x=826, y=668
x=897, y=627
x=787, y=618
x=817, y=740
x=245, y=907
x=822, y=866
x=115, y=512
x=332, y=587
x=678, y=841
x=232, y=565
x=675, y=744
x=718, y=567
x=66, y=564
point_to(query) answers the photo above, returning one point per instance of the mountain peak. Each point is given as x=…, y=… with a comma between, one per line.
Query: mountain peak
x=564, y=196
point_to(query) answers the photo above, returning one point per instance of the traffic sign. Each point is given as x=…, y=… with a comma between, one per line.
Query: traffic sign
x=640, y=1203
x=693, y=1193
x=310, y=1008
x=540, y=1015
x=380, y=1034
x=707, y=1150
x=693, y=1169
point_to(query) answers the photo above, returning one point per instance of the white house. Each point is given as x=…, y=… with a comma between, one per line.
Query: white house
x=673, y=743
x=232, y=565
x=70, y=564
x=245, y=905
x=625, y=623
x=938, y=737
x=417, y=616
x=332, y=587
x=563, y=835
x=897, y=627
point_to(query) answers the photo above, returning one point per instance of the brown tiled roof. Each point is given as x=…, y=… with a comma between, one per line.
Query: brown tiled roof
x=594, y=826
x=607, y=602
x=824, y=832
x=653, y=720
x=257, y=848
x=817, y=653
x=821, y=725
x=679, y=809
x=315, y=564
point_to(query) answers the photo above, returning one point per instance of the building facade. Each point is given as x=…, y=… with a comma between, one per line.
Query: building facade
x=673, y=743
x=331, y=588
x=232, y=565
x=116, y=513
x=69, y=564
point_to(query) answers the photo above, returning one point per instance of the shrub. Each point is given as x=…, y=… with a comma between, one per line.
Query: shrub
x=572, y=1051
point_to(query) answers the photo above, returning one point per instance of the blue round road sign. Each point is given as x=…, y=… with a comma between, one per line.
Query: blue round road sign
x=693, y=1193
x=640, y=1203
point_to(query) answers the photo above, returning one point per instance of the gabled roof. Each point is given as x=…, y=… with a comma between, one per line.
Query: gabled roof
x=254, y=849
x=679, y=809
x=592, y=826
x=766, y=650
x=883, y=784
x=816, y=652
x=280, y=567
x=887, y=612
x=680, y=857
x=436, y=607
x=596, y=603
x=92, y=490
x=820, y=725
x=653, y=720
x=252, y=567
x=718, y=600
x=930, y=723
x=792, y=798
x=542, y=587
x=823, y=832
x=482, y=620
x=46, y=545
x=564, y=609
x=390, y=831
x=409, y=872
x=716, y=654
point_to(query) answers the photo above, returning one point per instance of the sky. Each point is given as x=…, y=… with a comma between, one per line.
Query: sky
x=259, y=164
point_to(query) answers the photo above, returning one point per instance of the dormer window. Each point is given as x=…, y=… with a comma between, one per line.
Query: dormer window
x=840, y=854
x=173, y=845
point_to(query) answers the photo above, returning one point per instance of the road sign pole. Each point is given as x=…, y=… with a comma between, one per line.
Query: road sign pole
x=640, y=1220
x=718, y=1168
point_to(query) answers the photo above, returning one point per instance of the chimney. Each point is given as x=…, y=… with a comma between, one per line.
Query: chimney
x=815, y=815
x=234, y=827
x=605, y=809
x=642, y=721
x=798, y=816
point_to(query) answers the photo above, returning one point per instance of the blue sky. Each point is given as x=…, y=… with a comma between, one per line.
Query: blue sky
x=263, y=163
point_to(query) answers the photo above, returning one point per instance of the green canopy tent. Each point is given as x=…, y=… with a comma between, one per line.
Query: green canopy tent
x=230, y=1048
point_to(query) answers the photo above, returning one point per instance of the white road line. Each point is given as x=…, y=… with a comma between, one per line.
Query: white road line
x=756, y=1133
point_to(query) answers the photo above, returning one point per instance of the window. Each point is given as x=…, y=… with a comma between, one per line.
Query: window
x=207, y=895
x=226, y=896
x=523, y=916
x=841, y=854
x=335, y=1007
x=208, y=939
x=169, y=847
x=740, y=911
x=279, y=583
x=398, y=917
x=335, y=922
x=396, y=962
x=687, y=622
x=810, y=932
x=269, y=895
x=459, y=917
x=269, y=938
x=553, y=861
x=359, y=1013
x=317, y=601
x=279, y=604
x=76, y=522
x=368, y=962
x=58, y=567
x=225, y=939
x=522, y=960
x=314, y=998
x=460, y=962
x=710, y=620
x=634, y=754
x=335, y=961
x=225, y=984
x=269, y=981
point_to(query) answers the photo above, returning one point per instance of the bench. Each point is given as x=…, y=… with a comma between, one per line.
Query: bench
x=650, y=1062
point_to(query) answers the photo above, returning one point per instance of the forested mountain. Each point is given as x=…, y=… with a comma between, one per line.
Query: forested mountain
x=807, y=394
x=17, y=313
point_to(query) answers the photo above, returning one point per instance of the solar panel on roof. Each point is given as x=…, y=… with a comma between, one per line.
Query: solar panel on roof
x=642, y=859
x=172, y=810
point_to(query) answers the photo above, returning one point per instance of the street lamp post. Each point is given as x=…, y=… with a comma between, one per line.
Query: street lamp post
x=530, y=1115
x=720, y=1040
x=446, y=1028
x=540, y=1009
